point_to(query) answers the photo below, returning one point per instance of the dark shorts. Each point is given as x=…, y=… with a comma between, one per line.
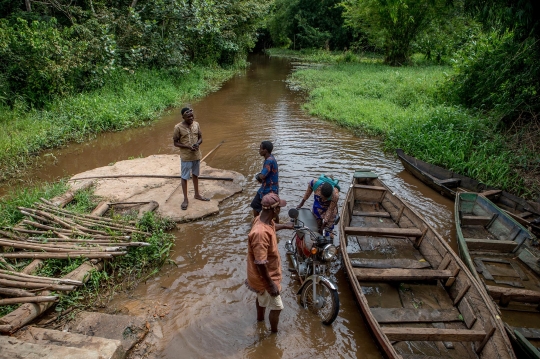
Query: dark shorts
x=256, y=204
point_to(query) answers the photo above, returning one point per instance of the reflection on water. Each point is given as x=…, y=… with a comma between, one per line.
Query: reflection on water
x=211, y=313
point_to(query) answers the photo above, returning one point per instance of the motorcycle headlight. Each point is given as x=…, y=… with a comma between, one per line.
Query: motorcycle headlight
x=329, y=252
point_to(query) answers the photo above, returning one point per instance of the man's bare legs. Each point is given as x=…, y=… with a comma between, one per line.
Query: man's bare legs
x=260, y=311
x=274, y=316
x=274, y=320
x=196, y=187
x=184, y=190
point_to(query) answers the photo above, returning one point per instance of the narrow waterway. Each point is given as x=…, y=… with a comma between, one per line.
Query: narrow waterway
x=210, y=312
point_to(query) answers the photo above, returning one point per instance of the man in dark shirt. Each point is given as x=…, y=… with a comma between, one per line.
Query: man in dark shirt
x=268, y=177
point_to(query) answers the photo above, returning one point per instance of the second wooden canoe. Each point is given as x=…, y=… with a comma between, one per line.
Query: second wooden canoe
x=502, y=253
x=417, y=296
x=447, y=183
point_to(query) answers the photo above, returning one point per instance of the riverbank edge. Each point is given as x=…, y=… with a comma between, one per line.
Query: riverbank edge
x=121, y=274
x=446, y=135
x=127, y=100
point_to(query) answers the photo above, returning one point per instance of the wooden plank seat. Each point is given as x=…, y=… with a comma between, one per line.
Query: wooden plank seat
x=476, y=220
x=450, y=182
x=490, y=193
x=399, y=274
x=523, y=214
x=475, y=244
x=389, y=263
x=371, y=214
x=433, y=334
x=376, y=188
x=381, y=232
x=529, y=333
x=530, y=260
x=413, y=315
x=505, y=295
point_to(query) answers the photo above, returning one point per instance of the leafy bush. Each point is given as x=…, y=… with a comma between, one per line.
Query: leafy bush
x=496, y=72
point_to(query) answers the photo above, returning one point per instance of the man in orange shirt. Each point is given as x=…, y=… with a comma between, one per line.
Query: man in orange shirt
x=264, y=261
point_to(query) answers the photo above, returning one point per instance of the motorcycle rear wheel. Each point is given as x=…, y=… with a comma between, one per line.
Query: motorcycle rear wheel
x=326, y=305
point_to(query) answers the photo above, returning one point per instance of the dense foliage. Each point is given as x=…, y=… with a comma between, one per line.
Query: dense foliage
x=499, y=70
x=301, y=24
x=392, y=25
x=51, y=48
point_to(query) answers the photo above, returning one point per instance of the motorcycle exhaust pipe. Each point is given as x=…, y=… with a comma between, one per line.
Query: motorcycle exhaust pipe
x=294, y=261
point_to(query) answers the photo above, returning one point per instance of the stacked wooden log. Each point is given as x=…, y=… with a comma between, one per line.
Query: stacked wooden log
x=49, y=231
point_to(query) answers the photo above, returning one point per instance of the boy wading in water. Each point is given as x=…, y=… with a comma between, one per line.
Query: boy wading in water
x=268, y=177
x=188, y=137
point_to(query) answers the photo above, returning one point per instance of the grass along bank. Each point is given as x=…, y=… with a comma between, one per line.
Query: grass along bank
x=126, y=100
x=406, y=107
x=122, y=273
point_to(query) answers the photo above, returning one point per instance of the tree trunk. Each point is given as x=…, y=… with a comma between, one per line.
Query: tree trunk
x=28, y=5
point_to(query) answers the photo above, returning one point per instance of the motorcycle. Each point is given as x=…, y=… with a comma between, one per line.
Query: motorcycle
x=311, y=255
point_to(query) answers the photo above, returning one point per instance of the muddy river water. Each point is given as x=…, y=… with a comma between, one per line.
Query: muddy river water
x=210, y=312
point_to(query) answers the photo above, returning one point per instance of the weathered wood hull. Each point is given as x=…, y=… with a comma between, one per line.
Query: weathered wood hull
x=507, y=261
x=447, y=182
x=416, y=295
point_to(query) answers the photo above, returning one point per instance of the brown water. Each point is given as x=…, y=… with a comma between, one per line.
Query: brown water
x=211, y=313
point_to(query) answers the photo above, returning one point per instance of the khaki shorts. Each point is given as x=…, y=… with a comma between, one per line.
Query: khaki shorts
x=267, y=301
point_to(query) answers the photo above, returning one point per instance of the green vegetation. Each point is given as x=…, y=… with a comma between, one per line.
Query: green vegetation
x=126, y=100
x=71, y=69
x=392, y=25
x=123, y=273
x=406, y=108
x=304, y=24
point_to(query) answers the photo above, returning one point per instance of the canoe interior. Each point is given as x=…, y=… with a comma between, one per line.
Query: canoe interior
x=416, y=295
x=448, y=183
x=511, y=270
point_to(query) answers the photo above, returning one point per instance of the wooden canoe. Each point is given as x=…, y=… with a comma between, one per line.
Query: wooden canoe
x=496, y=246
x=448, y=183
x=417, y=296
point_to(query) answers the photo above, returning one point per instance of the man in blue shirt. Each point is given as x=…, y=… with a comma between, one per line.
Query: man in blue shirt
x=268, y=177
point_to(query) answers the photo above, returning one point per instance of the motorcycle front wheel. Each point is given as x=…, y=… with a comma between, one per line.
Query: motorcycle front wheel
x=325, y=304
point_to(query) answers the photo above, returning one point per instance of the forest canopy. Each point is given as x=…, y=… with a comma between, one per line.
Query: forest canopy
x=56, y=47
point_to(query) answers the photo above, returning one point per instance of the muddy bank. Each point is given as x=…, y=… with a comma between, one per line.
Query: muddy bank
x=165, y=191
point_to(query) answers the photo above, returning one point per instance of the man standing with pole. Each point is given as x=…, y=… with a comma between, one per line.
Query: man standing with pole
x=188, y=137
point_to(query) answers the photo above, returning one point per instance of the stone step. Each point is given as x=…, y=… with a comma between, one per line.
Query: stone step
x=13, y=348
x=129, y=330
x=105, y=348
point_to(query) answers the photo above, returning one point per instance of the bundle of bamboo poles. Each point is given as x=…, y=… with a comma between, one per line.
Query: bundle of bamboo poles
x=49, y=231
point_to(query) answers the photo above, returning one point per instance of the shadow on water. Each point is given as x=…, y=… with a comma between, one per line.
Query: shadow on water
x=211, y=312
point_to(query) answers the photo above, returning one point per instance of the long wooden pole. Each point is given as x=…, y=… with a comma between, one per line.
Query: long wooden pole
x=208, y=154
x=6, y=264
x=153, y=176
x=61, y=255
x=39, y=299
x=11, y=292
x=46, y=279
x=34, y=285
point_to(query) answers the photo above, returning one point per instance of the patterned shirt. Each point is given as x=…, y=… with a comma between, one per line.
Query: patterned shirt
x=188, y=136
x=263, y=249
x=270, y=177
x=325, y=210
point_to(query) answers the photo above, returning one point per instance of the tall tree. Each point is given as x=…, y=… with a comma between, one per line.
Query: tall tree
x=300, y=24
x=392, y=24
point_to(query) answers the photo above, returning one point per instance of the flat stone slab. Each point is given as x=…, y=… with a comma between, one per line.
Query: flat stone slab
x=127, y=329
x=13, y=348
x=106, y=348
x=159, y=189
